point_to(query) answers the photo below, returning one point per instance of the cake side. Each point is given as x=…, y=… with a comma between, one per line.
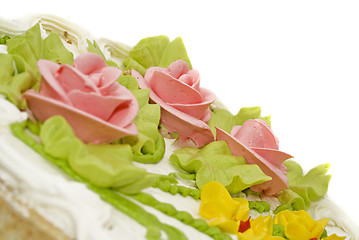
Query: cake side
x=25, y=223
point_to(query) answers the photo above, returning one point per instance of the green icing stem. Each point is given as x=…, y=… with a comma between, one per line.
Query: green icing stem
x=183, y=216
x=168, y=186
x=148, y=220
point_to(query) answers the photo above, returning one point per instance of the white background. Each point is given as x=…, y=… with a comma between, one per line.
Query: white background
x=298, y=60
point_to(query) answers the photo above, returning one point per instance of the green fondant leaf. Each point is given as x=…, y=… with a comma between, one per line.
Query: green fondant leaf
x=55, y=51
x=223, y=119
x=156, y=51
x=148, y=51
x=102, y=165
x=28, y=46
x=133, y=64
x=304, y=189
x=94, y=48
x=129, y=82
x=175, y=50
x=16, y=76
x=25, y=50
x=292, y=199
x=151, y=147
x=142, y=96
x=31, y=47
x=148, y=146
x=294, y=172
x=215, y=162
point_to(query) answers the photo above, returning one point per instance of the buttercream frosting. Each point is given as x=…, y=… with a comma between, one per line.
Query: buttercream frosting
x=67, y=204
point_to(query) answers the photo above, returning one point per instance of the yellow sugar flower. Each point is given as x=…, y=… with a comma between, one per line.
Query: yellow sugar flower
x=299, y=225
x=261, y=229
x=231, y=215
x=242, y=212
x=221, y=209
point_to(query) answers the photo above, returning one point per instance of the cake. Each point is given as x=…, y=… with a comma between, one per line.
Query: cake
x=165, y=170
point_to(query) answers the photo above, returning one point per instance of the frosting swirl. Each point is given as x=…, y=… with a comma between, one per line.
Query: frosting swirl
x=184, y=104
x=87, y=95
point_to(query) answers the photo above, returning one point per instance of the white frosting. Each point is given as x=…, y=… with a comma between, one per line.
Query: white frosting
x=3, y=48
x=325, y=208
x=67, y=204
x=79, y=212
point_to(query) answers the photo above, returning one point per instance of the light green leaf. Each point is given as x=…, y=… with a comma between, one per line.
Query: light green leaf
x=215, y=162
x=129, y=82
x=148, y=51
x=175, y=50
x=102, y=165
x=94, y=48
x=16, y=76
x=25, y=51
x=28, y=46
x=55, y=51
x=148, y=146
x=304, y=189
x=156, y=51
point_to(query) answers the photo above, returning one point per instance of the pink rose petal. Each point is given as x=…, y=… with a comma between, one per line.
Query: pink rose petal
x=51, y=87
x=70, y=79
x=109, y=76
x=178, y=68
x=89, y=63
x=125, y=113
x=191, y=79
x=255, y=133
x=198, y=110
x=274, y=156
x=170, y=90
x=88, y=128
x=94, y=104
x=194, y=129
x=187, y=126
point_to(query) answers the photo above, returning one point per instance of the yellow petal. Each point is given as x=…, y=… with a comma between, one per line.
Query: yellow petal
x=226, y=225
x=241, y=214
x=216, y=208
x=317, y=231
x=282, y=218
x=305, y=219
x=334, y=237
x=262, y=225
x=215, y=190
x=296, y=231
x=250, y=235
x=216, y=201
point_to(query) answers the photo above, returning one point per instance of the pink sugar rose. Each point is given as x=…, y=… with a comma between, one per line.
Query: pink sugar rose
x=87, y=95
x=255, y=141
x=184, y=105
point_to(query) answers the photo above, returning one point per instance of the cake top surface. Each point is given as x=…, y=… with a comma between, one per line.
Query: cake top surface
x=315, y=112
